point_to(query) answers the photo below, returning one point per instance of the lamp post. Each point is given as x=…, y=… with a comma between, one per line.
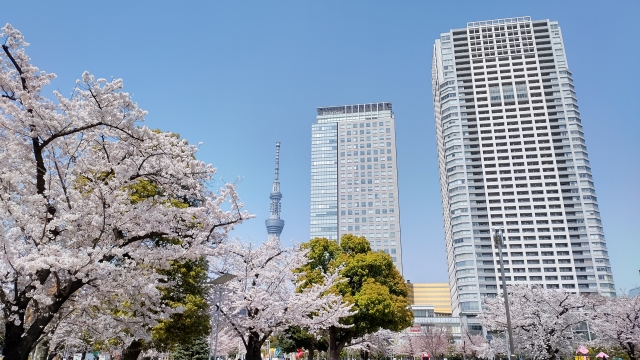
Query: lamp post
x=498, y=238
x=218, y=282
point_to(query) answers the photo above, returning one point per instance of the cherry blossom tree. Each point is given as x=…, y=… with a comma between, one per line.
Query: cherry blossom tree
x=378, y=344
x=229, y=343
x=543, y=320
x=435, y=340
x=407, y=345
x=263, y=300
x=71, y=231
x=617, y=324
x=108, y=324
x=478, y=347
x=470, y=346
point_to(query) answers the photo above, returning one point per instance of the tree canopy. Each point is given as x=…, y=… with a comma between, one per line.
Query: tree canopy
x=73, y=236
x=261, y=301
x=373, y=285
x=617, y=325
x=543, y=320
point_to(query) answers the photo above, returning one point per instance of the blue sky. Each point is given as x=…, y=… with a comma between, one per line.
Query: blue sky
x=240, y=75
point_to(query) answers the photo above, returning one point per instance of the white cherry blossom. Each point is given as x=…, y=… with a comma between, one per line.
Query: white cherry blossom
x=75, y=232
x=262, y=300
x=543, y=320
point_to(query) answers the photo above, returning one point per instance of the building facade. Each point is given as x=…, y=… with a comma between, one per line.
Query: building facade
x=435, y=295
x=431, y=307
x=354, y=176
x=512, y=154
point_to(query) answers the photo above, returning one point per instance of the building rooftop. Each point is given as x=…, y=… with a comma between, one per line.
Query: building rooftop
x=499, y=21
x=354, y=109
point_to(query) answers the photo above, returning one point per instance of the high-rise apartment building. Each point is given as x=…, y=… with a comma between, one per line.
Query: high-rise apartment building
x=354, y=187
x=512, y=154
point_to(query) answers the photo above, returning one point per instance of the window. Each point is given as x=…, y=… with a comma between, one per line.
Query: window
x=521, y=91
x=469, y=305
x=494, y=92
x=507, y=91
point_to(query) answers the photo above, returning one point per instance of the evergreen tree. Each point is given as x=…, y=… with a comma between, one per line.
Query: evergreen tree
x=198, y=350
x=188, y=291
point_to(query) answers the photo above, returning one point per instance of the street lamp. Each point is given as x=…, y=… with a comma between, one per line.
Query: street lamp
x=498, y=239
x=219, y=281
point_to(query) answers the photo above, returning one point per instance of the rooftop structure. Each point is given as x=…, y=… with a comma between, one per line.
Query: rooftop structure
x=354, y=109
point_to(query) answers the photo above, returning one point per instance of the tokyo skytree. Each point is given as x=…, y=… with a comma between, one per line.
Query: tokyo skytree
x=274, y=224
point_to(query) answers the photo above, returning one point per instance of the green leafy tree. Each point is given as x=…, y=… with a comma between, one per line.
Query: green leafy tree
x=197, y=350
x=188, y=291
x=378, y=292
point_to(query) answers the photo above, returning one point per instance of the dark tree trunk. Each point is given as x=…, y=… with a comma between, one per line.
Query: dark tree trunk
x=631, y=351
x=335, y=345
x=364, y=354
x=20, y=341
x=311, y=352
x=253, y=347
x=132, y=351
x=16, y=346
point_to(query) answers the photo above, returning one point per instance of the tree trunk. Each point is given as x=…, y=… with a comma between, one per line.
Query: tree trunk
x=631, y=351
x=253, y=347
x=311, y=352
x=20, y=341
x=41, y=351
x=17, y=347
x=52, y=355
x=364, y=354
x=132, y=351
x=335, y=346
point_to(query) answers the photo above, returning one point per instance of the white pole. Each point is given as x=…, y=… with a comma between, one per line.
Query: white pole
x=215, y=351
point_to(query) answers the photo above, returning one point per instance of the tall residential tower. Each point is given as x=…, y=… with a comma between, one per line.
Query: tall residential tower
x=354, y=176
x=512, y=154
x=274, y=224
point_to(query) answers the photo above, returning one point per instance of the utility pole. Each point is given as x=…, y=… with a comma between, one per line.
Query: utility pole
x=498, y=238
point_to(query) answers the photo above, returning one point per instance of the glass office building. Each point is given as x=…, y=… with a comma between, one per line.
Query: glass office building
x=354, y=176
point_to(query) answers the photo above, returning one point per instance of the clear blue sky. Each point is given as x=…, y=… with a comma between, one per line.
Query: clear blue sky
x=240, y=75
